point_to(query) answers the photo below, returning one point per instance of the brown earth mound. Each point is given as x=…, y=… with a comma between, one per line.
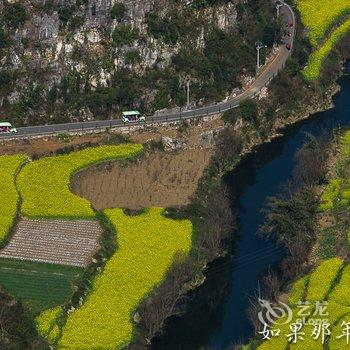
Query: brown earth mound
x=158, y=179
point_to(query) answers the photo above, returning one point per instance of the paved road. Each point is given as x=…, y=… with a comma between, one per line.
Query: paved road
x=266, y=74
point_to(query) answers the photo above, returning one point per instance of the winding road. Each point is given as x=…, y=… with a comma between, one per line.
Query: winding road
x=266, y=74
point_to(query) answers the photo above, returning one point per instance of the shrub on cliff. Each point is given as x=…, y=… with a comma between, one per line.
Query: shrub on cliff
x=124, y=35
x=118, y=11
x=15, y=15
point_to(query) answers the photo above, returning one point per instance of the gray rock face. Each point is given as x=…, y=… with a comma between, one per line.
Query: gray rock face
x=45, y=50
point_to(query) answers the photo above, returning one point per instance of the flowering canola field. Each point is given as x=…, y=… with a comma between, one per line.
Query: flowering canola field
x=337, y=193
x=328, y=283
x=44, y=183
x=320, y=17
x=146, y=245
x=9, y=166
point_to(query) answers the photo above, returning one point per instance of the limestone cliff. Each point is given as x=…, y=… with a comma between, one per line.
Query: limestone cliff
x=67, y=59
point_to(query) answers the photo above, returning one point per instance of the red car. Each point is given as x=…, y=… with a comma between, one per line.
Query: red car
x=291, y=24
x=288, y=47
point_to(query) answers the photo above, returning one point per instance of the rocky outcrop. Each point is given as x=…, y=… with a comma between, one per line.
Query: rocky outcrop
x=48, y=45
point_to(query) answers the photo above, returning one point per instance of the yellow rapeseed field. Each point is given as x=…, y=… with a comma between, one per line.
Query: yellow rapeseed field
x=323, y=19
x=9, y=166
x=319, y=16
x=46, y=323
x=317, y=58
x=323, y=285
x=45, y=183
x=146, y=245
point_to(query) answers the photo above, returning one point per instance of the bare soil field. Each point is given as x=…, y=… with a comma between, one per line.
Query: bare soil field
x=158, y=179
x=65, y=242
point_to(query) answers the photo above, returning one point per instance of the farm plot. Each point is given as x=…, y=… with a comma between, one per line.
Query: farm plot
x=327, y=21
x=40, y=286
x=65, y=242
x=158, y=180
x=45, y=183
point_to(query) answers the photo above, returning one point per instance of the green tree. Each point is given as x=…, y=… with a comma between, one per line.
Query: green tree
x=118, y=11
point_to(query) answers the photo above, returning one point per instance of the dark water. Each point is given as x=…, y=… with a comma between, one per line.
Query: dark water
x=217, y=316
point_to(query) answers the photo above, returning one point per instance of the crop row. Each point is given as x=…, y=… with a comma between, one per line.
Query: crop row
x=9, y=165
x=45, y=183
x=147, y=245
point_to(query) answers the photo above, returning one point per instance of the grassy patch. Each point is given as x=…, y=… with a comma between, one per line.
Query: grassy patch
x=9, y=166
x=147, y=245
x=38, y=285
x=45, y=184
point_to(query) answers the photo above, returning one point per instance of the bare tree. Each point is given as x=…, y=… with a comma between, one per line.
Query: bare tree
x=272, y=284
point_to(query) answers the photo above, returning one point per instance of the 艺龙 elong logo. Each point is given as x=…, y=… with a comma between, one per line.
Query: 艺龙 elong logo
x=304, y=321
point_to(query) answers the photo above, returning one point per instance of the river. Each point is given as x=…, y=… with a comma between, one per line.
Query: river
x=217, y=315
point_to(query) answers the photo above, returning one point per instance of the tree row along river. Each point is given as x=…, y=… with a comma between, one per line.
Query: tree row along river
x=217, y=315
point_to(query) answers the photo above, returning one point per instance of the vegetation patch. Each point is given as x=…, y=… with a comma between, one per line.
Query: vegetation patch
x=45, y=184
x=38, y=285
x=9, y=166
x=326, y=272
x=147, y=245
x=318, y=57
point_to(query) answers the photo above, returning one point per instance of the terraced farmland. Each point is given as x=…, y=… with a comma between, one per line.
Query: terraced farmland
x=41, y=286
x=65, y=242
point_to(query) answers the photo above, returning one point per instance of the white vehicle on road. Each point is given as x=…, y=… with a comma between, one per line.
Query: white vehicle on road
x=7, y=128
x=133, y=117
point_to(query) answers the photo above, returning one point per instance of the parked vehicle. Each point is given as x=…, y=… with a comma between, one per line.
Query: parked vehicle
x=133, y=117
x=7, y=128
x=288, y=46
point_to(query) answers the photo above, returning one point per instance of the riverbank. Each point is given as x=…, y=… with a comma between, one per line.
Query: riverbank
x=318, y=105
